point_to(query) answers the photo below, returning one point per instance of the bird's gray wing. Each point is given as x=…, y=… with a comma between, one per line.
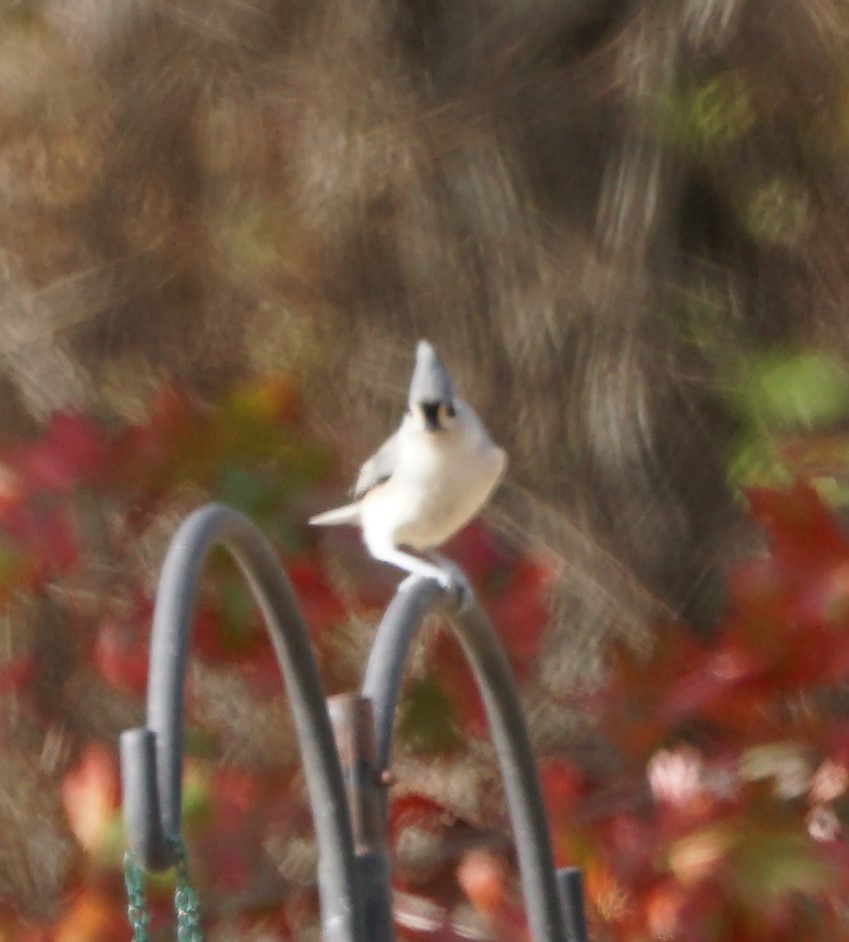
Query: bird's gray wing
x=378, y=468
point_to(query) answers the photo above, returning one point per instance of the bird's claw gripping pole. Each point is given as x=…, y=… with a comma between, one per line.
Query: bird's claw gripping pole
x=345, y=742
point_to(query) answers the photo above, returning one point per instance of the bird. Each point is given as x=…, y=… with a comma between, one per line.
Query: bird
x=426, y=481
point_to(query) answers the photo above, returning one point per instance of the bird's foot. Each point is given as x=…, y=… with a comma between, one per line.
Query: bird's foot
x=444, y=571
x=451, y=579
x=454, y=581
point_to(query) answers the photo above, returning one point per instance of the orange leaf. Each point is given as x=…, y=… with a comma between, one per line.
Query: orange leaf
x=92, y=917
x=483, y=877
x=90, y=795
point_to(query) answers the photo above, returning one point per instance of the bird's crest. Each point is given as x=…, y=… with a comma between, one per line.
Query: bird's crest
x=430, y=382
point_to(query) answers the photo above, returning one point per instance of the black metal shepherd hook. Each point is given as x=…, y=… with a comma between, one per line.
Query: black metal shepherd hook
x=345, y=743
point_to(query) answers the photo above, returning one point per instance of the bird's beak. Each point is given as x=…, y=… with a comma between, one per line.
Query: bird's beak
x=430, y=413
x=430, y=382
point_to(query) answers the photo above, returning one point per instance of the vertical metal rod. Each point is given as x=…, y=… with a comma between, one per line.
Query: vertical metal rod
x=507, y=726
x=205, y=529
x=571, y=885
x=140, y=792
x=353, y=726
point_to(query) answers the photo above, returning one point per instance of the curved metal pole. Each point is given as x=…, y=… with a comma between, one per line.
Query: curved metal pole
x=544, y=901
x=151, y=759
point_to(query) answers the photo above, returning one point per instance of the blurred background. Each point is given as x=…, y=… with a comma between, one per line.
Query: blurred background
x=625, y=226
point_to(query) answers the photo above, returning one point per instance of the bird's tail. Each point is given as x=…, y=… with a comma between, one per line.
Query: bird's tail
x=350, y=513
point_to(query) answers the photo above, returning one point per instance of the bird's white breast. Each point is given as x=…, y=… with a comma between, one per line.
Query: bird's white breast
x=440, y=482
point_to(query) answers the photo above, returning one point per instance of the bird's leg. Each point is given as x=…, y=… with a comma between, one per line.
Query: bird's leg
x=387, y=553
x=446, y=572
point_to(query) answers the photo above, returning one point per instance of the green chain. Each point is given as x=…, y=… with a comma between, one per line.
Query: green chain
x=185, y=898
x=137, y=912
x=186, y=905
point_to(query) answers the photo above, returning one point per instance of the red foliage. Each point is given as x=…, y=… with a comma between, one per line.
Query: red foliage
x=17, y=673
x=729, y=836
x=247, y=450
x=723, y=819
x=513, y=587
x=72, y=448
x=120, y=650
x=514, y=590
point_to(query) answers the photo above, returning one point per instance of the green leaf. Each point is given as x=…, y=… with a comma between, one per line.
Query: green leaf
x=766, y=866
x=427, y=722
x=707, y=116
x=777, y=212
x=781, y=389
x=754, y=459
x=197, y=798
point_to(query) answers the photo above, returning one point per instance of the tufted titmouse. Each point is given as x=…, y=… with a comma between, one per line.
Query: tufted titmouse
x=427, y=480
